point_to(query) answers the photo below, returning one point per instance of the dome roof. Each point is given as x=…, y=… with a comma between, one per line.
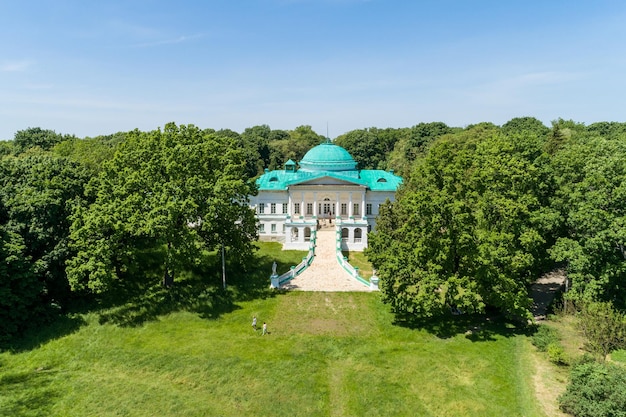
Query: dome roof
x=327, y=157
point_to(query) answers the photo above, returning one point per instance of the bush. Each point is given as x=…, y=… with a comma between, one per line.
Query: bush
x=544, y=337
x=595, y=390
x=604, y=327
x=556, y=354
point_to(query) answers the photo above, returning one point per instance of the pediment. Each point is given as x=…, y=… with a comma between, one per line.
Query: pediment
x=328, y=180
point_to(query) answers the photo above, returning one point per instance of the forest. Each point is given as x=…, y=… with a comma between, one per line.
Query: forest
x=484, y=210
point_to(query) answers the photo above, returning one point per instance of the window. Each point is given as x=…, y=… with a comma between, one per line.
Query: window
x=309, y=208
x=285, y=208
x=261, y=208
x=262, y=228
x=273, y=208
x=344, y=209
x=296, y=208
x=284, y=228
x=355, y=211
x=368, y=209
x=273, y=227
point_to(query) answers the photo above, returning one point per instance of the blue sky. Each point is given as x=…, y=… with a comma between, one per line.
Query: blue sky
x=98, y=67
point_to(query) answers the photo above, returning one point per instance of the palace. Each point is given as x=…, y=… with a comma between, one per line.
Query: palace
x=324, y=188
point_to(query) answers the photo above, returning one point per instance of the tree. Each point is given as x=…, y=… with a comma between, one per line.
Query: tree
x=525, y=125
x=38, y=191
x=463, y=233
x=178, y=189
x=591, y=195
x=36, y=137
x=369, y=147
x=20, y=290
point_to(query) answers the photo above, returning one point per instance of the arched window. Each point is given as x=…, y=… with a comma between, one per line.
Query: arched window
x=358, y=234
x=273, y=179
x=344, y=234
x=307, y=234
x=382, y=180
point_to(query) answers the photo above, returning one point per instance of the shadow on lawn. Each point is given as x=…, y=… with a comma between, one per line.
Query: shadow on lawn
x=29, y=390
x=199, y=290
x=39, y=334
x=475, y=327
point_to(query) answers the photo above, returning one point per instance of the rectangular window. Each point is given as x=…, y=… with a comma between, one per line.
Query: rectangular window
x=262, y=228
x=368, y=209
x=261, y=208
x=355, y=211
x=285, y=208
x=273, y=227
x=344, y=209
x=273, y=208
x=309, y=208
x=296, y=208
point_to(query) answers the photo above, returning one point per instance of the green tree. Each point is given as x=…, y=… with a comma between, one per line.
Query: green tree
x=36, y=137
x=38, y=190
x=20, y=290
x=463, y=233
x=591, y=195
x=519, y=125
x=369, y=147
x=178, y=189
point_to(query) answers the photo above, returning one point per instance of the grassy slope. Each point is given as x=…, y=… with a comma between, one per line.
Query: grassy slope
x=191, y=351
x=328, y=354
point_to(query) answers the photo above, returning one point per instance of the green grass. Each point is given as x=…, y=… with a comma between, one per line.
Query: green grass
x=619, y=356
x=191, y=351
x=359, y=260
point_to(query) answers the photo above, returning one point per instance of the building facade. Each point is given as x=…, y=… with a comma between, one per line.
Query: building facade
x=325, y=188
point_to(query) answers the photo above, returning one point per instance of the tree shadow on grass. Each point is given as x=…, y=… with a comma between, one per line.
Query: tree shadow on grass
x=37, y=335
x=29, y=390
x=475, y=327
x=199, y=290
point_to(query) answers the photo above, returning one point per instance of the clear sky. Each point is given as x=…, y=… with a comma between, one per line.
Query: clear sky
x=89, y=68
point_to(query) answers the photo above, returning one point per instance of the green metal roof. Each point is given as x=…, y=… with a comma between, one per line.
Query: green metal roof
x=327, y=157
x=375, y=180
x=328, y=160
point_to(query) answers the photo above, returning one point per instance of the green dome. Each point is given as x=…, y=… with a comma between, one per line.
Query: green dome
x=327, y=157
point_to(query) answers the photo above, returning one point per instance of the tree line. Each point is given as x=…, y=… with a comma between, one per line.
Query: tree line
x=483, y=210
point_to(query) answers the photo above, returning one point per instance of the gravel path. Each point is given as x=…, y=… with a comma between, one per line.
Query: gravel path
x=325, y=273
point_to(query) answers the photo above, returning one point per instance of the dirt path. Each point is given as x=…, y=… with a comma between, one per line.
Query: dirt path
x=544, y=290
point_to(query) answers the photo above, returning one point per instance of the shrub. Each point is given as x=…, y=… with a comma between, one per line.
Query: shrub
x=543, y=337
x=595, y=390
x=604, y=327
x=556, y=354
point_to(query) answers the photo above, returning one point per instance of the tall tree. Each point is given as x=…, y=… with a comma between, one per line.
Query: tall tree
x=591, y=175
x=178, y=189
x=463, y=233
x=36, y=137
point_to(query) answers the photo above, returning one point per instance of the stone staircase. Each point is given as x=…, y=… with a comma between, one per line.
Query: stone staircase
x=325, y=273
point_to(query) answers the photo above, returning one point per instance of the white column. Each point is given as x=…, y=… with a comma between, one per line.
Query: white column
x=289, y=208
x=315, y=204
x=350, y=206
x=337, y=212
x=363, y=204
x=302, y=208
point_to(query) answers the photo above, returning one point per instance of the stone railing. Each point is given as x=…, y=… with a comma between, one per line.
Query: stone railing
x=352, y=270
x=294, y=271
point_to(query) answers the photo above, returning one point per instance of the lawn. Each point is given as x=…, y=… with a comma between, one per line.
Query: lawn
x=327, y=354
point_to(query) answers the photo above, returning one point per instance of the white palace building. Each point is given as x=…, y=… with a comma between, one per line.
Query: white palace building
x=324, y=188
